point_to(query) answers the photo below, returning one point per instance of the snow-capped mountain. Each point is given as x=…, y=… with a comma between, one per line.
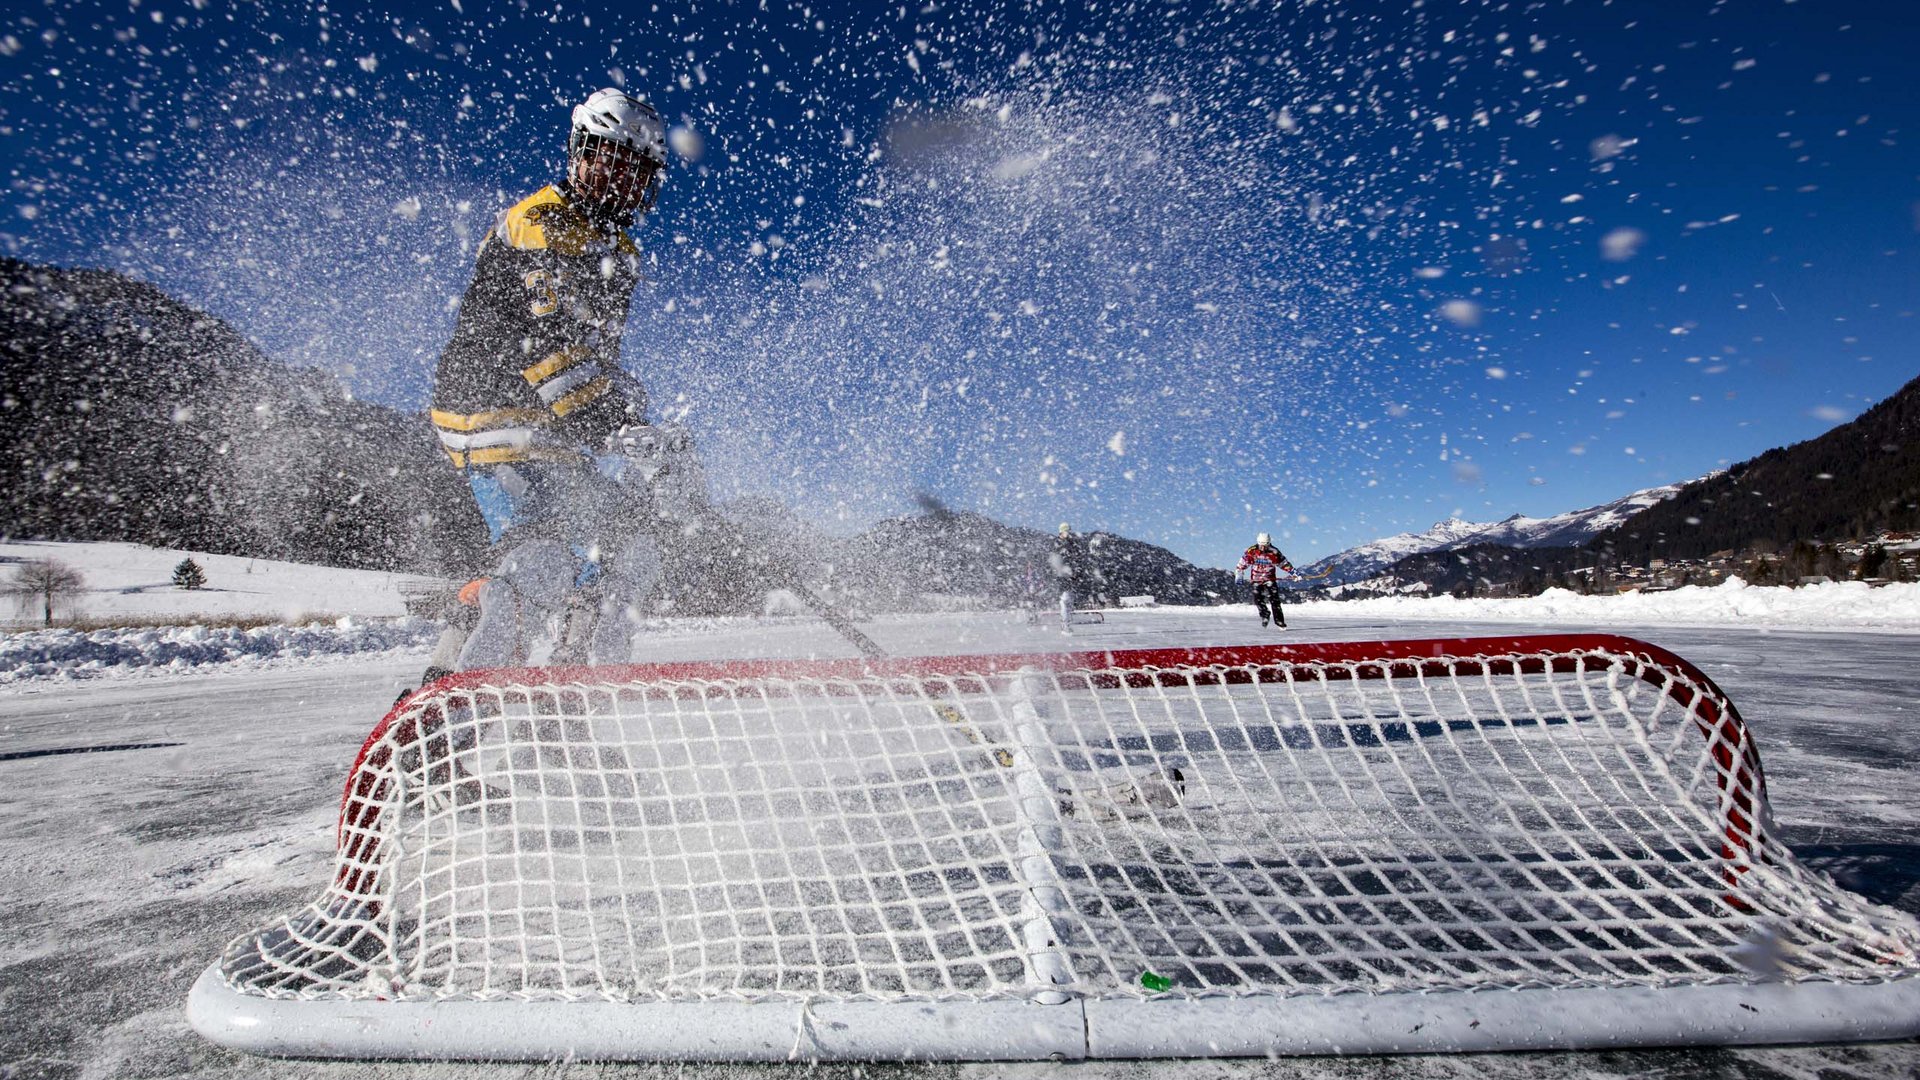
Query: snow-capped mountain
x=1561, y=530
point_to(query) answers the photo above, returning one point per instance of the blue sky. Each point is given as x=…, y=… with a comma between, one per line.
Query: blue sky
x=1184, y=271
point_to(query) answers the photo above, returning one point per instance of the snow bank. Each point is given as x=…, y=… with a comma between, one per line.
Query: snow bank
x=1834, y=605
x=69, y=654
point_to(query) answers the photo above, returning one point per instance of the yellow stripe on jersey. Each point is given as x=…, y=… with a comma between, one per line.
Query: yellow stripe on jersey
x=544, y=220
x=590, y=392
x=521, y=226
x=556, y=363
x=505, y=455
x=480, y=421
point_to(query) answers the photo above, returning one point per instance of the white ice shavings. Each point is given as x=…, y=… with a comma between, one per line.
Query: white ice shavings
x=1621, y=244
x=1462, y=313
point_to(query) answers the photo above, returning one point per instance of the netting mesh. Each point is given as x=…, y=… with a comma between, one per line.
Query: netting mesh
x=1583, y=818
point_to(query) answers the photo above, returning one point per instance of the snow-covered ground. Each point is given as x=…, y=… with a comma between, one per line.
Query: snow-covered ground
x=156, y=812
x=363, y=617
x=313, y=612
x=133, y=581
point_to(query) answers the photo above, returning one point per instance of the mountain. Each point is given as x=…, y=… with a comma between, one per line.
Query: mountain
x=909, y=562
x=1858, y=480
x=1500, y=569
x=1572, y=529
x=134, y=417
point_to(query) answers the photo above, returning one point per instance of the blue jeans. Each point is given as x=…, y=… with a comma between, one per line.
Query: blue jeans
x=558, y=528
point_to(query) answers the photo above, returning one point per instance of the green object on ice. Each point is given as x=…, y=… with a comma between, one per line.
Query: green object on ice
x=1154, y=982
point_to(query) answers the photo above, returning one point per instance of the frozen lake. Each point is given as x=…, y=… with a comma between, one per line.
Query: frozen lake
x=207, y=805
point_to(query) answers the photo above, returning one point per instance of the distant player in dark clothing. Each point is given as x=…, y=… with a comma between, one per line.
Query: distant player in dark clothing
x=1071, y=564
x=1263, y=564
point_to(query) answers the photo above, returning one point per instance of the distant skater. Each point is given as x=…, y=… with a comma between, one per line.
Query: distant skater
x=1071, y=565
x=1263, y=564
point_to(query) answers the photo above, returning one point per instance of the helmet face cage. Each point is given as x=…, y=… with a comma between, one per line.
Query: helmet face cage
x=612, y=174
x=617, y=152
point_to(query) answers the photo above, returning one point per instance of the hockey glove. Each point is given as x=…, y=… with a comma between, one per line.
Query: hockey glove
x=659, y=459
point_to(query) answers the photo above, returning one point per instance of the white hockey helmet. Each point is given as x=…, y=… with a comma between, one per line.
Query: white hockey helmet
x=1263, y=538
x=1064, y=530
x=617, y=152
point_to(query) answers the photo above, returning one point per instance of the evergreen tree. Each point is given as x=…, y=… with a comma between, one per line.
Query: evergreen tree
x=188, y=575
x=1832, y=562
x=1800, y=561
x=1872, y=560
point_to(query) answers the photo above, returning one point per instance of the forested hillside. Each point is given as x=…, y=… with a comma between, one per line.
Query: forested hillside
x=1858, y=480
x=131, y=416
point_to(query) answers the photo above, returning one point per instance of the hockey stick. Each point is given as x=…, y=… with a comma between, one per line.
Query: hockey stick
x=834, y=616
x=695, y=503
x=789, y=579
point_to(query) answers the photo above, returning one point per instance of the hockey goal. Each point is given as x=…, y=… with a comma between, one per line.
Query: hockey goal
x=1368, y=847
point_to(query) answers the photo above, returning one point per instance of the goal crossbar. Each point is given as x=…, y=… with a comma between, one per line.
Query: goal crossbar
x=1371, y=847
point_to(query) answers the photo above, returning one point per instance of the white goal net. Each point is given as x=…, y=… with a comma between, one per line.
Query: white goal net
x=1375, y=847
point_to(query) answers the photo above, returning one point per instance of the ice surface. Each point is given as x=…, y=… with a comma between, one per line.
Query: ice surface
x=124, y=872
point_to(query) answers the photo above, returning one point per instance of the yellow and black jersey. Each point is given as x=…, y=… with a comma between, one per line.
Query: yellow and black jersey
x=533, y=370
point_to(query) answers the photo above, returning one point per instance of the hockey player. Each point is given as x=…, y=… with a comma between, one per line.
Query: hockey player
x=1263, y=565
x=1072, y=567
x=531, y=403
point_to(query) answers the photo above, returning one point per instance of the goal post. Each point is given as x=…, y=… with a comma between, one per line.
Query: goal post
x=1360, y=847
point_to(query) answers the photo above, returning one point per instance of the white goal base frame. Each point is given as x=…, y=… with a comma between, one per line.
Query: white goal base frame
x=1079, y=1029
x=1134, y=811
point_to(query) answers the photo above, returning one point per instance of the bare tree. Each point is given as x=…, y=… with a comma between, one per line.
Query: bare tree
x=43, y=583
